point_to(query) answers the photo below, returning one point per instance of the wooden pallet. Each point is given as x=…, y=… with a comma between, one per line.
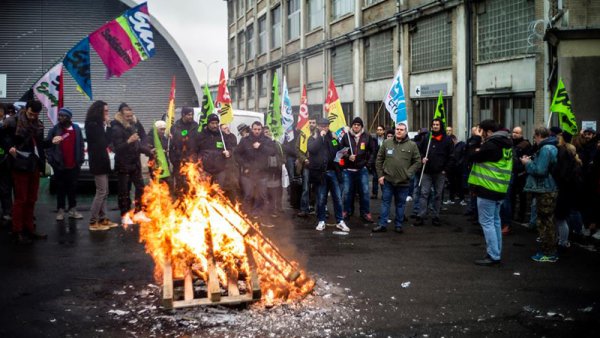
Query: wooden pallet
x=213, y=296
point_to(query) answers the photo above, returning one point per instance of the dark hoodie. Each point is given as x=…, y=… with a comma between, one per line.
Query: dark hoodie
x=127, y=155
x=183, y=136
x=363, y=149
x=210, y=147
x=491, y=151
x=441, y=153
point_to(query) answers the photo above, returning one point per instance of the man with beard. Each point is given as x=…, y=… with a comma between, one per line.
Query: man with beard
x=66, y=157
x=253, y=154
x=215, y=154
x=182, y=149
x=127, y=133
x=302, y=162
x=377, y=141
x=521, y=147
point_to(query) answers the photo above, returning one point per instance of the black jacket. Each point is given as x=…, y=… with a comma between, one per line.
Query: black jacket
x=210, y=147
x=54, y=154
x=98, y=140
x=520, y=147
x=26, y=140
x=127, y=155
x=365, y=154
x=491, y=151
x=441, y=154
x=183, y=136
x=322, y=152
x=255, y=160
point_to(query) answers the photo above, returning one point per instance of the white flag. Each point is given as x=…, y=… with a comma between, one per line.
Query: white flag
x=49, y=90
x=395, y=102
x=287, y=119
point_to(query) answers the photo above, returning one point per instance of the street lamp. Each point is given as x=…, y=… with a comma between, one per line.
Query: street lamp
x=207, y=67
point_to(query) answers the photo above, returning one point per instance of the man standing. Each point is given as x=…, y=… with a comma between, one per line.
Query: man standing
x=521, y=147
x=377, y=141
x=543, y=187
x=127, y=140
x=231, y=188
x=489, y=179
x=306, y=202
x=156, y=144
x=213, y=152
x=397, y=161
x=253, y=153
x=182, y=149
x=436, y=161
x=355, y=172
x=66, y=157
x=322, y=148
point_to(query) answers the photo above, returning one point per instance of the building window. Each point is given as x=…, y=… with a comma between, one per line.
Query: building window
x=423, y=111
x=430, y=43
x=262, y=35
x=293, y=11
x=250, y=42
x=232, y=51
x=509, y=111
x=251, y=87
x=502, y=28
x=341, y=7
x=379, y=56
x=240, y=8
x=240, y=90
x=348, y=108
x=292, y=75
x=276, y=27
x=374, y=119
x=250, y=4
x=314, y=71
x=230, y=12
x=341, y=64
x=370, y=2
x=315, y=14
x=240, y=48
x=263, y=84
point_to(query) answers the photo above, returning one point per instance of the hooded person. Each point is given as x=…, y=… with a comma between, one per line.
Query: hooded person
x=182, y=149
x=153, y=143
x=66, y=157
x=214, y=151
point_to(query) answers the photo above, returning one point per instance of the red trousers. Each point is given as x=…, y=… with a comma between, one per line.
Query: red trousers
x=26, y=194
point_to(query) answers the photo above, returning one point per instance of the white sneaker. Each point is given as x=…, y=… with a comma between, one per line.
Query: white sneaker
x=463, y=203
x=408, y=198
x=126, y=220
x=586, y=232
x=596, y=235
x=342, y=226
x=7, y=217
x=448, y=202
x=140, y=217
x=75, y=214
x=320, y=226
x=60, y=215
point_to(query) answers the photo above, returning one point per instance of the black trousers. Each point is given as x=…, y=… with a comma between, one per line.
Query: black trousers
x=66, y=187
x=125, y=179
x=6, y=189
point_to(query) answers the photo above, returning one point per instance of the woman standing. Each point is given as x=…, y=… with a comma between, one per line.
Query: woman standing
x=97, y=130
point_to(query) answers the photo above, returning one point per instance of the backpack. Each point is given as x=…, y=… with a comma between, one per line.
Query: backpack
x=566, y=171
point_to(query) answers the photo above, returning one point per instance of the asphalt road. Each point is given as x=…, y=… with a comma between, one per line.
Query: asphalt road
x=422, y=283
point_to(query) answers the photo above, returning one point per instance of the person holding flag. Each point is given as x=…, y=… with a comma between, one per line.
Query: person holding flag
x=182, y=149
x=214, y=152
x=207, y=108
x=158, y=142
x=437, y=158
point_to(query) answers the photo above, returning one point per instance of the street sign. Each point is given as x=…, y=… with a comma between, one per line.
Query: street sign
x=2, y=86
x=430, y=90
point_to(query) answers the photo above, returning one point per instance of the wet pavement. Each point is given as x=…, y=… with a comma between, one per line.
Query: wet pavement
x=421, y=283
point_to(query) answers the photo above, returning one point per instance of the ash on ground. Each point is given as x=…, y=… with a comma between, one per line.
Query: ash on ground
x=329, y=311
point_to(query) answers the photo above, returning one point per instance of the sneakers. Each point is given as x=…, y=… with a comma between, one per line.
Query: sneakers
x=7, y=218
x=320, y=226
x=98, y=227
x=487, y=261
x=342, y=226
x=448, y=202
x=108, y=223
x=140, y=217
x=540, y=257
x=126, y=220
x=596, y=235
x=586, y=233
x=409, y=198
x=463, y=203
x=60, y=215
x=73, y=213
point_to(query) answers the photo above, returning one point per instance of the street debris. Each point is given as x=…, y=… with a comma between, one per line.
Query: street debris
x=340, y=233
x=405, y=285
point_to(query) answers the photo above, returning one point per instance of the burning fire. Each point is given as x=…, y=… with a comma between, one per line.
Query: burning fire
x=202, y=225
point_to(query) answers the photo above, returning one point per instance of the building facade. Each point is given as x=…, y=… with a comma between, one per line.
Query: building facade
x=497, y=59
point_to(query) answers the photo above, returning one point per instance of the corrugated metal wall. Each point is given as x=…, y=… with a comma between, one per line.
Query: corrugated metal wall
x=36, y=34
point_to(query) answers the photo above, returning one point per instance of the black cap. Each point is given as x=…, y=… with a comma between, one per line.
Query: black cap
x=123, y=105
x=589, y=130
x=359, y=121
x=212, y=117
x=186, y=110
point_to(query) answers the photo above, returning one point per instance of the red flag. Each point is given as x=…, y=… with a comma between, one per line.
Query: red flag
x=224, y=101
x=333, y=107
x=303, y=125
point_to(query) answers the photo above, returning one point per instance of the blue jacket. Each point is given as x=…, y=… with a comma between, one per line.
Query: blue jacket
x=539, y=177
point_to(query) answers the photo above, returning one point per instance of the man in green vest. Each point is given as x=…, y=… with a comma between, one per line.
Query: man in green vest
x=489, y=180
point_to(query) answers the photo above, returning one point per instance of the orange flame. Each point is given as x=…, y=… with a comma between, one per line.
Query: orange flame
x=202, y=224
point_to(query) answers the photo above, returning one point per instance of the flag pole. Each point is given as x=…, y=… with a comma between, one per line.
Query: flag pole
x=350, y=143
x=424, y=164
x=376, y=115
x=221, y=133
x=549, y=119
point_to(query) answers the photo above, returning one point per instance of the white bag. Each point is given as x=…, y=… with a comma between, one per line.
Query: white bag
x=285, y=178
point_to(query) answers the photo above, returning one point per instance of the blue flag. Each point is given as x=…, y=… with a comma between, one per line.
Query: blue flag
x=395, y=102
x=77, y=63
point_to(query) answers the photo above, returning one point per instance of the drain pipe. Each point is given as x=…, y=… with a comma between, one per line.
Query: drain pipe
x=469, y=67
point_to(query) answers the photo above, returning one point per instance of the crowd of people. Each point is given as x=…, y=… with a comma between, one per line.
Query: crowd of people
x=498, y=176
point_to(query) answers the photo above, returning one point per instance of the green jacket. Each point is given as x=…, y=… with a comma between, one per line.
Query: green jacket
x=398, y=161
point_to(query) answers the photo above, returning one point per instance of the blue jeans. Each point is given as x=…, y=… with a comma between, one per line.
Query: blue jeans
x=399, y=193
x=489, y=218
x=330, y=183
x=533, y=216
x=350, y=179
x=374, y=183
x=429, y=181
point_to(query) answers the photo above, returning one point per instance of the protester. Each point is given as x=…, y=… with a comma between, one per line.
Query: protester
x=66, y=157
x=274, y=172
x=253, y=154
x=521, y=147
x=377, y=141
x=243, y=130
x=456, y=173
x=473, y=143
x=231, y=187
x=213, y=151
x=307, y=200
x=127, y=134
x=397, y=161
x=157, y=144
x=437, y=162
x=449, y=131
x=359, y=157
x=98, y=135
x=5, y=172
x=543, y=186
x=587, y=149
x=27, y=149
x=489, y=179
x=182, y=148
x=322, y=149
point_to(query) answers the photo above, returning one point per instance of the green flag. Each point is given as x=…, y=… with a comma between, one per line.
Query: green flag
x=207, y=108
x=161, y=158
x=561, y=104
x=440, y=111
x=274, y=113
